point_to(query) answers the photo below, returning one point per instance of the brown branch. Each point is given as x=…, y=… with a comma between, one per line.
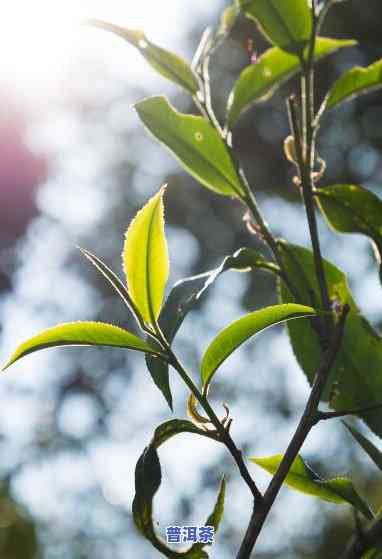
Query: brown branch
x=324, y=415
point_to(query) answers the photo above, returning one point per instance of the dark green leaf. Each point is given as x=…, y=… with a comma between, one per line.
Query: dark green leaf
x=173, y=427
x=374, y=453
x=147, y=481
x=246, y=259
x=194, y=142
x=286, y=23
x=302, y=478
x=184, y=295
x=159, y=372
x=216, y=515
x=82, y=333
x=355, y=82
x=166, y=63
x=241, y=330
x=352, y=209
x=351, y=385
x=258, y=81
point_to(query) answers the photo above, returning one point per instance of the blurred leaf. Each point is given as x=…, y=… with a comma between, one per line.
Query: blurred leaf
x=82, y=333
x=182, y=298
x=350, y=385
x=374, y=453
x=18, y=537
x=302, y=478
x=352, y=209
x=259, y=81
x=355, y=82
x=166, y=63
x=286, y=23
x=145, y=259
x=194, y=142
x=372, y=554
x=147, y=481
x=228, y=18
x=241, y=330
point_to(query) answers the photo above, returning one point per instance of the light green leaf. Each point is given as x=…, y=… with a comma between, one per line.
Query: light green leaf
x=194, y=142
x=302, y=478
x=350, y=385
x=355, y=82
x=145, y=259
x=82, y=333
x=241, y=330
x=286, y=23
x=148, y=477
x=352, y=209
x=166, y=63
x=374, y=453
x=259, y=81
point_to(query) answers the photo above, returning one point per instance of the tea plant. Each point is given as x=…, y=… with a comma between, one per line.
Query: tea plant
x=338, y=350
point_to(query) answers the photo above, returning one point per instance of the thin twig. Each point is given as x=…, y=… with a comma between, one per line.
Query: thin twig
x=305, y=425
x=323, y=416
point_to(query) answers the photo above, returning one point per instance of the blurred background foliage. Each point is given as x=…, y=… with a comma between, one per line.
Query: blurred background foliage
x=75, y=165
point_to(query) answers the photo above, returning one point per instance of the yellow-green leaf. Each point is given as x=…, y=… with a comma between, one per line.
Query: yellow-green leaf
x=166, y=63
x=241, y=330
x=259, y=81
x=145, y=259
x=194, y=142
x=355, y=82
x=302, y=478
x=286, y=23
x=82, y=333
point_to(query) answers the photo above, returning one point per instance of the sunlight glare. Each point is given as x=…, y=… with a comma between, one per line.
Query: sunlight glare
x=44, y=39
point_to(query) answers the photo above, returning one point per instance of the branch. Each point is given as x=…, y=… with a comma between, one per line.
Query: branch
x=304, y=137
x=307, y=421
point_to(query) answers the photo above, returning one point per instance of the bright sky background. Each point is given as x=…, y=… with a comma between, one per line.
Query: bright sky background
x=43, y=39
